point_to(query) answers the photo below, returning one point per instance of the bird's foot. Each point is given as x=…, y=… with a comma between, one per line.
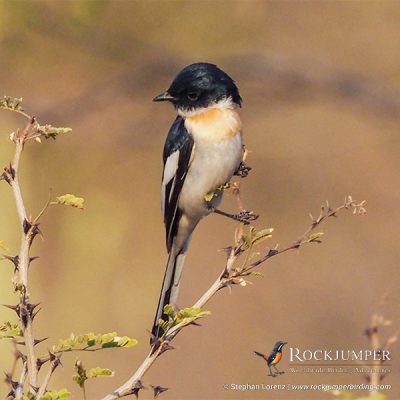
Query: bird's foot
x=244, y=217
x=243, y=170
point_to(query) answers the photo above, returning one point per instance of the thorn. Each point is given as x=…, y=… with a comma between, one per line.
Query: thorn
x=14, y=260
x=26, y=225
x=165, y=347
x=52, y=356
x=10, y=395
x=35, y=313
x=33, y=258
x=14, y=308
x=272, y=252
x=40, y=362
x=195, y=323
x=8, y=377
x=57, y=362
x=227, y=250
x=158, y=390
x=136, y=388
x=21, y=356
x=37, y=341
x=35, y=231
x=35, y=388
x=154, y=341
x=14, y=384
x=24, y=316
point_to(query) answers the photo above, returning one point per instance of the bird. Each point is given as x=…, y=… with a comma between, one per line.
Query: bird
x=202, y=151
x=273, y=358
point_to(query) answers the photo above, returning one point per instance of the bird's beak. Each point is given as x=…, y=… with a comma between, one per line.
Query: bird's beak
x=164, y=97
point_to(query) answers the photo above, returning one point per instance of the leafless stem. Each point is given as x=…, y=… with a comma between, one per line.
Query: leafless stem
x=228, y=277
x=55, y=362
x=21, y=381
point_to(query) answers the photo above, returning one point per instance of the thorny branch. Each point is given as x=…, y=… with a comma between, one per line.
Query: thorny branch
x=230, y=275
x=25, y=310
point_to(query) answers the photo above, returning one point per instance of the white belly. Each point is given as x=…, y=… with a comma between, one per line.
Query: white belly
x=213, y=164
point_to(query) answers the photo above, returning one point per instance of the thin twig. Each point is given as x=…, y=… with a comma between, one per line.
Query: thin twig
x=54, y=364
x=21, y=381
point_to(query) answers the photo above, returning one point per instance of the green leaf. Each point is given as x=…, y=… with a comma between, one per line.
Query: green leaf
x=190, y=314
x=10, y=103
x=56, y=395
x=169, y=310
x=126, y=341
x=315, y=237
x=80, y=376
x=97, y=371
x=91, y=340
x=260, y=236
x=246, y=241
x=10, y=331
x=49, y=131
x=70, y=200
x=256, y=273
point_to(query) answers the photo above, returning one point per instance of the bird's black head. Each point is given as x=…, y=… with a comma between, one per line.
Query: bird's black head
x=278, y=345
x=200, y=85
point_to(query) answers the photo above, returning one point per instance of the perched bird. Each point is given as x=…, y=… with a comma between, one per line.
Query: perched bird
x=202, y=151
x=273, y=358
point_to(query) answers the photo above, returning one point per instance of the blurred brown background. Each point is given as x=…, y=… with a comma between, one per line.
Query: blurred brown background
x=320, y=83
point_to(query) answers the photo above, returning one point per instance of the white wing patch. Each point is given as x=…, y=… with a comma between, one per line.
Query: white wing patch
x=170, y=167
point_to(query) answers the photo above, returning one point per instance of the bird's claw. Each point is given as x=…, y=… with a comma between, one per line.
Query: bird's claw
x=245, y=217
x=243, y=170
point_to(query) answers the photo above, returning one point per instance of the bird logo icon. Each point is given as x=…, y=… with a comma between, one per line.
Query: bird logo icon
x=273, y=358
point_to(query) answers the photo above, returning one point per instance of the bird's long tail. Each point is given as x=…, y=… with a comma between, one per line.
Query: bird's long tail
x=170, y=288
x=259, y=354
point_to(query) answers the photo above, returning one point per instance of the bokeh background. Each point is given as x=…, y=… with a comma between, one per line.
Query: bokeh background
x=321, y=113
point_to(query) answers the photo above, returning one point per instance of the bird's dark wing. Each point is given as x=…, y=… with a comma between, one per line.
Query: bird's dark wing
x=271, y=357
x=177, y=155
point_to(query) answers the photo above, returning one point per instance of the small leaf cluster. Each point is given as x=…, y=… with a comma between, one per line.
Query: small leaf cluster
x=91, y=341
x=314, y=237
x=82, y=375
x=51, y=132
x=70, y=200
x=255, y=237
x=10, y=103
x=9, y=330
x=185, y=316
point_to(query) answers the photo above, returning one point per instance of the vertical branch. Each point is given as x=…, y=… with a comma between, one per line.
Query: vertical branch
x=28, y=232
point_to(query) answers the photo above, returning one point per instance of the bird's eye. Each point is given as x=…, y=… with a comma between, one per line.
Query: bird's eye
x=193, y=96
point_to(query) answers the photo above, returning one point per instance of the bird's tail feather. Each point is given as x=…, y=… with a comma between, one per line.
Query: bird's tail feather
x=259, y=354
x=170, y=288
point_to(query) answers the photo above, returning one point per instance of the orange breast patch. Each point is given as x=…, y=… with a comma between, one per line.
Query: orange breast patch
x=277, y=358
x=214, y=124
